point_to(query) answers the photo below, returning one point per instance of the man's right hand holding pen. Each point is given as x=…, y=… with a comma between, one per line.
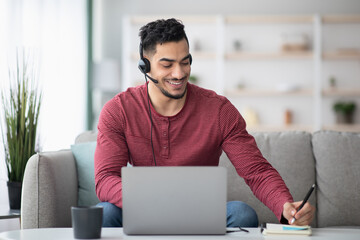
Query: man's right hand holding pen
x=300, y=213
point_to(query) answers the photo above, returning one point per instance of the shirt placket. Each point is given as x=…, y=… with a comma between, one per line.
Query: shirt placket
x=165, y=138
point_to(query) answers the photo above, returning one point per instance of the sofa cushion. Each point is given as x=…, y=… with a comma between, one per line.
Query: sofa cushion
x=84, y=155
x=337, y=158
x=290, y=153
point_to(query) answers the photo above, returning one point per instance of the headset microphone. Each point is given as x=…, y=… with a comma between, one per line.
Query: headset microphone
x=152, y=79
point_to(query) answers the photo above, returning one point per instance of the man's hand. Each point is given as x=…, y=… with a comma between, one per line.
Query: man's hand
x=303, y=217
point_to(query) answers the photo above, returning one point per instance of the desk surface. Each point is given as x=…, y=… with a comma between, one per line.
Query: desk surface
x=117, y=233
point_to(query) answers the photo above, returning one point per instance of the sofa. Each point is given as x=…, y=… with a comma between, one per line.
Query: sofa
x=329, y=159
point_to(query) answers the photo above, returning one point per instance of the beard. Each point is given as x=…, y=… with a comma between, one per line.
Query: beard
x=167, y=94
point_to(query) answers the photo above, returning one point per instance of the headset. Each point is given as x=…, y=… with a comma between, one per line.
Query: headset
x=144, y=66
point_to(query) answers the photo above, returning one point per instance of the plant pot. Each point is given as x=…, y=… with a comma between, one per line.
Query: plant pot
x=344, y=118
x=14, y=189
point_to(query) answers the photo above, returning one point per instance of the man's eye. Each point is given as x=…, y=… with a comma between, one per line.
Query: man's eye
x=167, y=66
x=185, y=63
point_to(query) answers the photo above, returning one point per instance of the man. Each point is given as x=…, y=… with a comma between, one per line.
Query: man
x=170, y=122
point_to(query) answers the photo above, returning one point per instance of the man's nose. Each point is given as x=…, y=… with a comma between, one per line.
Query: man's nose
x=178, y=72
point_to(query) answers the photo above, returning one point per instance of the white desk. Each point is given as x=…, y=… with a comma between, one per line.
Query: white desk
x=117, y=233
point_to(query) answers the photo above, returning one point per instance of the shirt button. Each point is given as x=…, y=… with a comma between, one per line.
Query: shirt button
x=164, y=133
x=164, y=147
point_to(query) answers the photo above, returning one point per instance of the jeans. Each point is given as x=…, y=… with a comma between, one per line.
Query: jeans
x=239, y=214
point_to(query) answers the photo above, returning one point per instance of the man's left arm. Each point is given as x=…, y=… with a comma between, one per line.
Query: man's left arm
x=264, y=181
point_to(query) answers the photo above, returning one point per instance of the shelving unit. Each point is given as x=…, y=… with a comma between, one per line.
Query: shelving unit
x=260, y=65
x=341, y=55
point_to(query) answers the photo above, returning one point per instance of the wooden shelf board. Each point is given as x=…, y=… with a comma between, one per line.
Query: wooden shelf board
x=343, y=127
x=341, y=92
x=306, y=128
x=196, y=55
x=204, y=55
x=279, y=128
x=236, y=19
x=341, y=19
x=266, y=56
x=266, y=93
x=203, y=19
x=340, y=55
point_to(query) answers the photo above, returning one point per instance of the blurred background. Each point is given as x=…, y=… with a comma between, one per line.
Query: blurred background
x=285, y=64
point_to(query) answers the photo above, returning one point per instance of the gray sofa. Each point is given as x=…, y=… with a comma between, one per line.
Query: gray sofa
x=329, y=159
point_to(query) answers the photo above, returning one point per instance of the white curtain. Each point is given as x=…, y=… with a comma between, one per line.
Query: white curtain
x=56, y=29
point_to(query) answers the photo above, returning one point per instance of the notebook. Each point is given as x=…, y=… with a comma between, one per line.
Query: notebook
x=174, y=200
x=275, y=229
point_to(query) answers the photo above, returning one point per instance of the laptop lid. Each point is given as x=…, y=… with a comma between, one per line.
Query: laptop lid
x=174, y=200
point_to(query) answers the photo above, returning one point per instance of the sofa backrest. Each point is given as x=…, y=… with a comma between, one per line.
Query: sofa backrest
x=290, y=153
x=337, y=157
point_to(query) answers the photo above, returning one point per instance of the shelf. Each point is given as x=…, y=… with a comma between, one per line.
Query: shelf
x=341, y=19
x=343, y=127
x=195, y=55
x=342, y=55
x=266, y=93
x=203, y=19
x=271, y=56
x=204, y=55
x=269, y=19
x=306, y=128
x=340, y=92
x=279, y=128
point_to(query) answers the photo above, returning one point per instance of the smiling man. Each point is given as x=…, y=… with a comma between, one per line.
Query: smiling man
x=170, y=122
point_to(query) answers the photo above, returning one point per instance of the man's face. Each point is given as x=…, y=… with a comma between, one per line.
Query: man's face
x=170, y=65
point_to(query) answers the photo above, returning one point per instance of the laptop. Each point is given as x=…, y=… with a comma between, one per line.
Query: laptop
x=174, y=200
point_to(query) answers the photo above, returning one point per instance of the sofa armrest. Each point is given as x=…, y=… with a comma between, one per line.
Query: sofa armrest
x=50, y=188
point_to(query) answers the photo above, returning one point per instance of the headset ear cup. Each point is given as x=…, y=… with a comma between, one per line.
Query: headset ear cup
x=144, y=65
x=141, y=66
x=190, y=59
x=147, y=65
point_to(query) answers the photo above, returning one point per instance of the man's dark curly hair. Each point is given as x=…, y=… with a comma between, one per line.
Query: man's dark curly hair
x=161, y=31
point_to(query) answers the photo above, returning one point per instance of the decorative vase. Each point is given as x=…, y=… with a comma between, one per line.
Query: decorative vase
x=344, y=118
x=14, y=189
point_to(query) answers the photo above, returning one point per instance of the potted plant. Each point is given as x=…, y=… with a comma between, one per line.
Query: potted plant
x=21, y=106
x=344, y=111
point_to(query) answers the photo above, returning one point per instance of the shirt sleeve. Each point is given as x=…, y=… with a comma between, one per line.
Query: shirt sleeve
x=111, y=154
x=264, y=181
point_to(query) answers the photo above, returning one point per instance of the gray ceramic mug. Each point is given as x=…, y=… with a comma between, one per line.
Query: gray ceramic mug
x=87, y=222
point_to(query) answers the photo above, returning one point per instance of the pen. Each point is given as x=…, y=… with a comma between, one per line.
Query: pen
x=304, y=201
